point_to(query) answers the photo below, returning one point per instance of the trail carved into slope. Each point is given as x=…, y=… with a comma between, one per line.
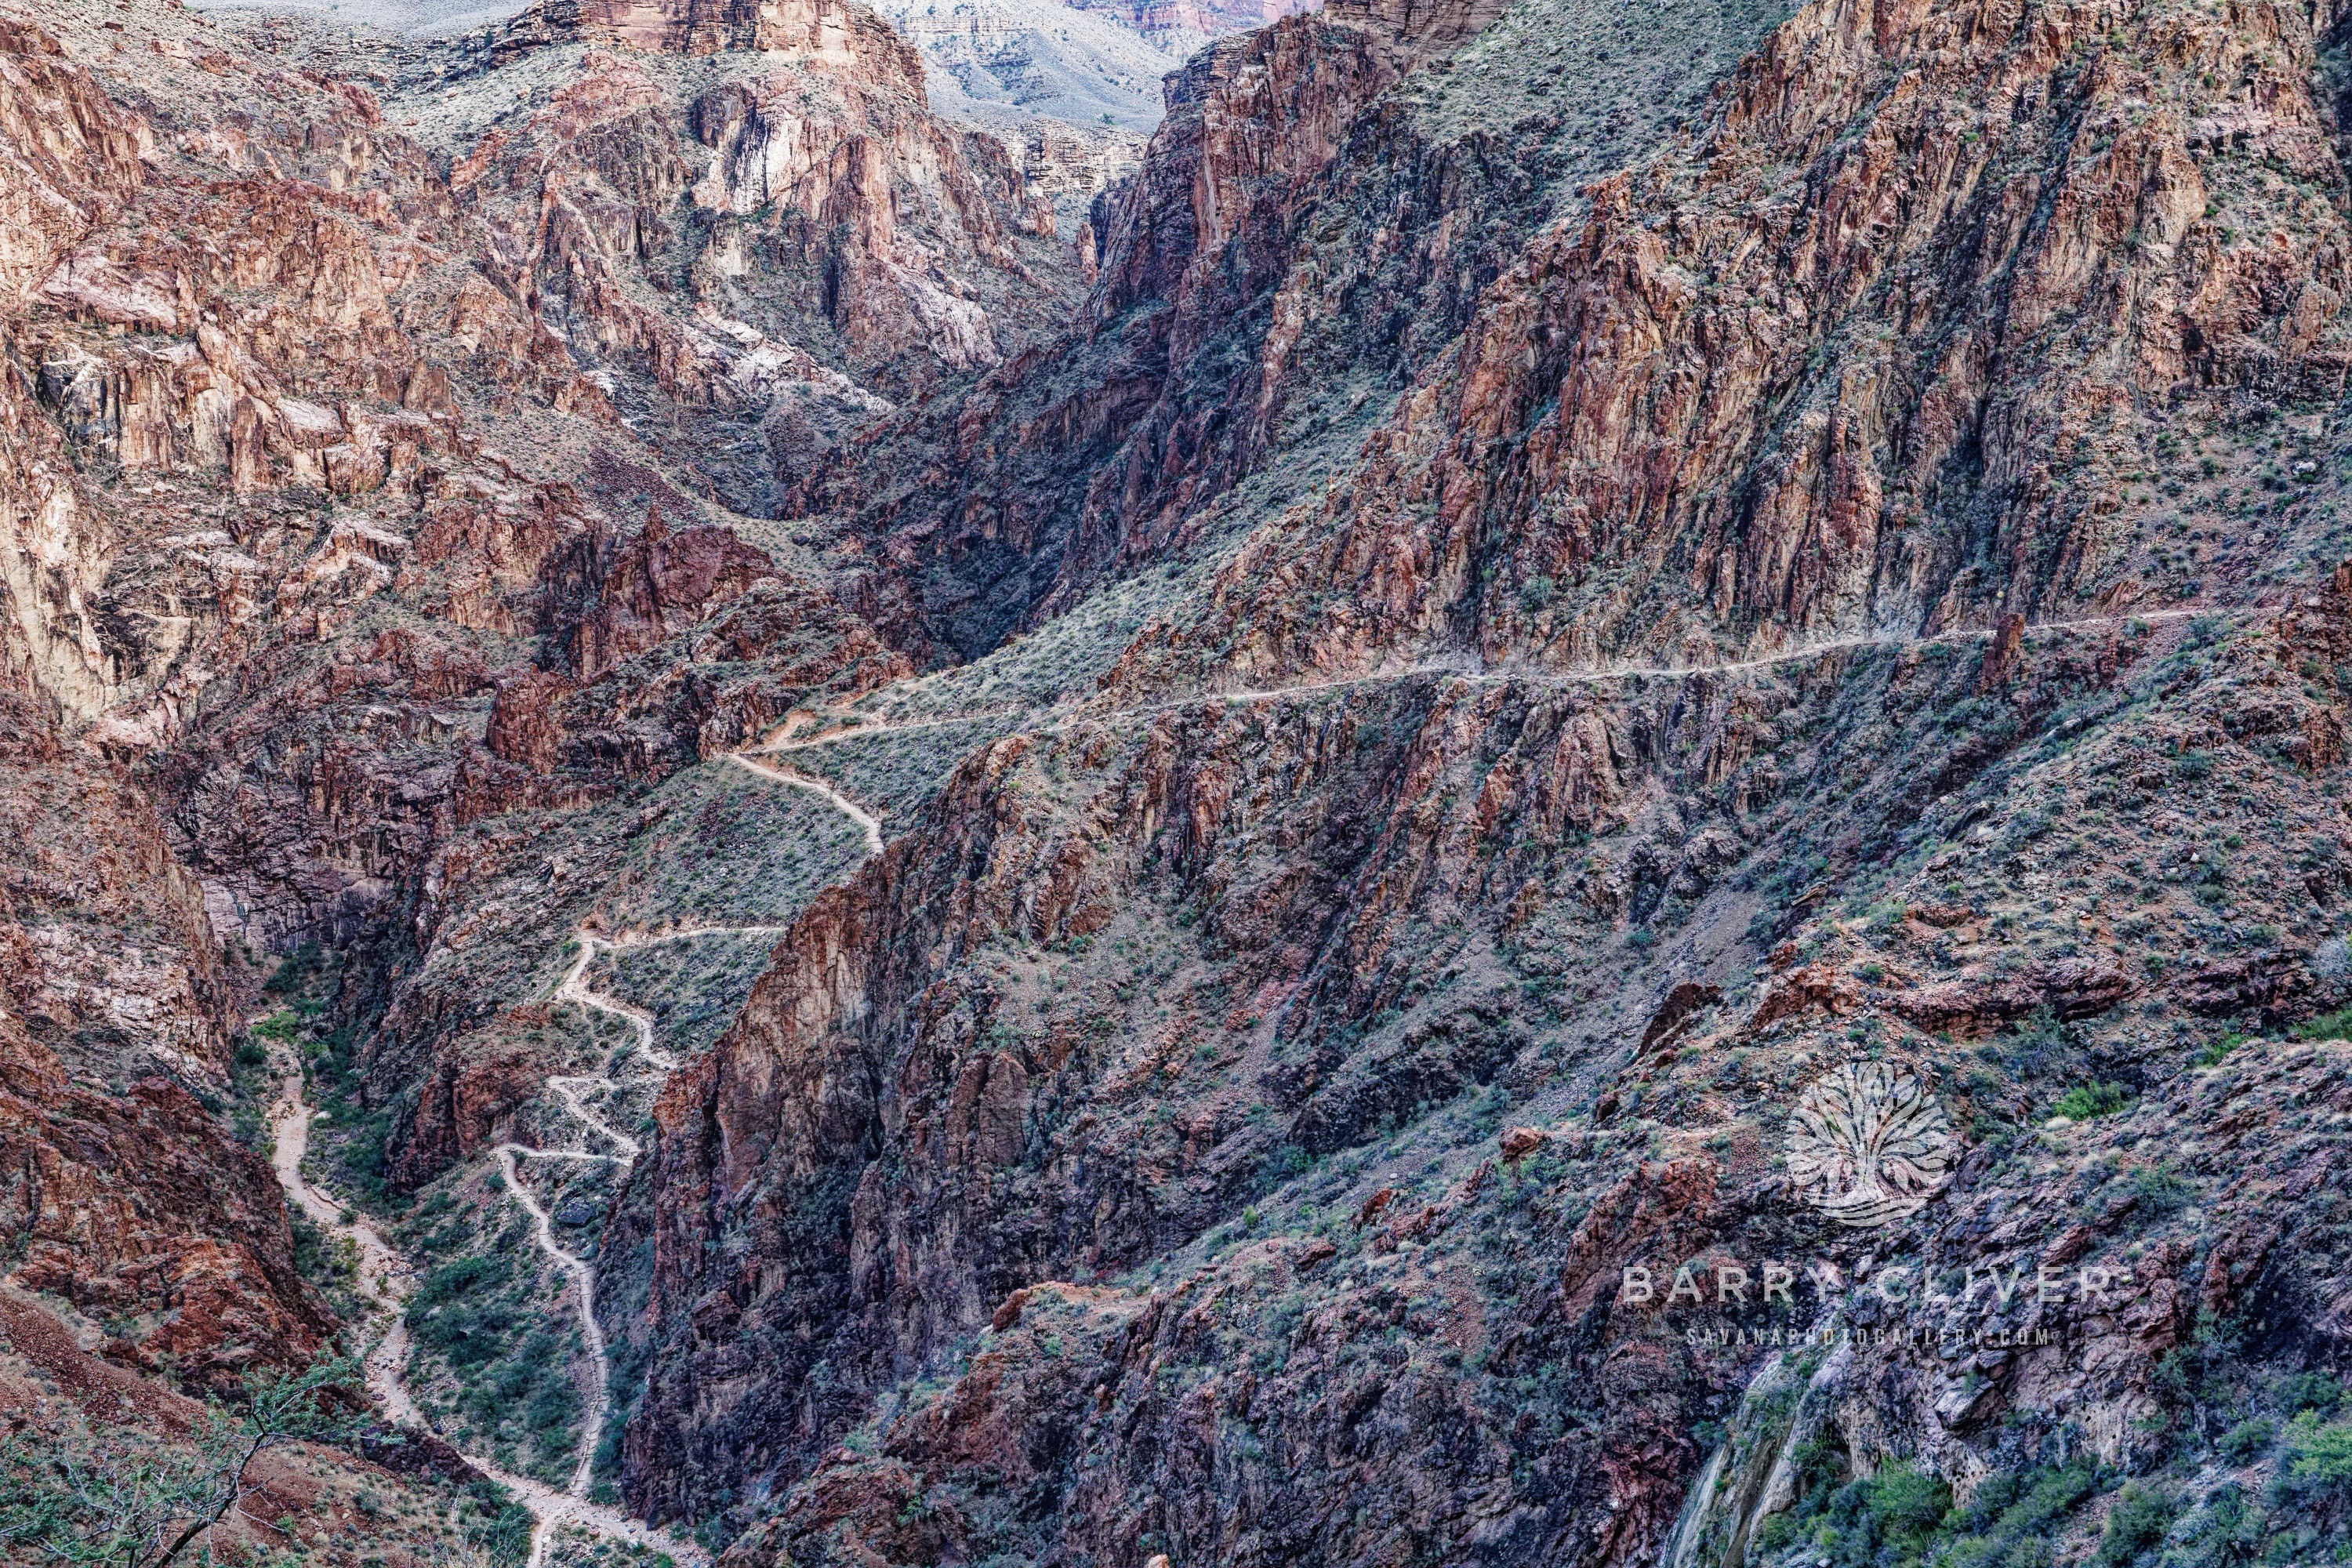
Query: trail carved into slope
x=788, y=737
x=385, y=1277
x=386, y=1280
x=573, y=1090
x=816, y=786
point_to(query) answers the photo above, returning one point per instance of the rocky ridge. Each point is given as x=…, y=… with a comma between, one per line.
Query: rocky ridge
x=1540, y=579
x=1333, y=895
x=269, y=571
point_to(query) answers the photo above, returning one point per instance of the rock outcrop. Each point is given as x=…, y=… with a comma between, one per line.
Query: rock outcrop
x=1561, y=658
x=1312, y=225
x=827, y=247
x=1728, y=414
x=123, y=1194
x=1836, y=367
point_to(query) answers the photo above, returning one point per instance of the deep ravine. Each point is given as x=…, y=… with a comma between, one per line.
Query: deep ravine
x=386, y=1279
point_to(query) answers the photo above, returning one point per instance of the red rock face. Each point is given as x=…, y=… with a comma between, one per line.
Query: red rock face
x=1757, y=414
x=844, y=33
x=1296, y=246
x=134, y=1207
x=299, y=495
x=467, y=1107
x=1045, y=477
x=881, y=1157
x=71, y=156
x=895, y=234
x=124, y=1196
x=647, y=591
x=1537, y=579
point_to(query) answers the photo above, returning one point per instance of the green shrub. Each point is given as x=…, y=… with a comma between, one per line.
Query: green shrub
x=2007, y=1523
x=317, y=1259
x=1285, y=1162
x=2040, y=1043
x=2087, y=1100
x=452, y=1280
x=2246, y=1439
x=461, y=1311
x=2212, y=1055
x=2135, y=1524
x=2319, y=1453
x=550, y=1411
x=1893, y=1518
x=2309, y=1391
x=2222, y=1534
x=505, y=1534
x=1908, y=1503
x=2158, y=1189
x=2328, y=1026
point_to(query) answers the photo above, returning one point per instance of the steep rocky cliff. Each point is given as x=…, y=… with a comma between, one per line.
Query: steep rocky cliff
x=318, y=485
x=1850, y=359
x=1930, y=325
x=1315, y=222
x=1573, y=795
x=124, y=1196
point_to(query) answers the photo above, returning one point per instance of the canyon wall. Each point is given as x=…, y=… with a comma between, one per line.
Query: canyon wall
x=1534, y=579
x=1897, y=336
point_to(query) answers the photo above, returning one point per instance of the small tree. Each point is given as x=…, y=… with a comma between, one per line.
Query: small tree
x=131, y=1500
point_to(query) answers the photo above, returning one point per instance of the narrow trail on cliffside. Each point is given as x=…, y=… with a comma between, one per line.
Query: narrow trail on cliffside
x=573, y=1092
x=386, y=1280
x=788, y=738
x=816, y=786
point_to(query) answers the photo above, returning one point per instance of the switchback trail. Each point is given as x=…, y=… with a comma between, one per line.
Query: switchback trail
x=574, y=1092
x=386, y=1280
